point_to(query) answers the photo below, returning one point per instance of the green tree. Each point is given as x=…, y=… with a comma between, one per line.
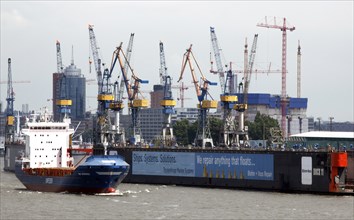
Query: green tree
x=180, y=129
x=185, y=132
x=216, y=126
x=260, y=128
x=192, y=131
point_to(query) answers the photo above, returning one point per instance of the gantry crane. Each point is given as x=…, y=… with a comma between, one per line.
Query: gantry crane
x=283, y=98
x=134, y=103
x=228, y=94
x=63, y=102
x=10, y=118
x=242, y=107
x=103, y=127
x=203, y=136
x=167, y=103
x=117, y=104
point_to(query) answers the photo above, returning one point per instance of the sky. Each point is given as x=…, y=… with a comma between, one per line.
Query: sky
x=30, y=29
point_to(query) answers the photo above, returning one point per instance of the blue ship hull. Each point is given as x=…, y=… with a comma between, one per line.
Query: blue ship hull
x=98, y=174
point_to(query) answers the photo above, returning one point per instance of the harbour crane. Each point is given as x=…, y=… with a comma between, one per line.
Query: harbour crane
x=134, y=103
x=283, y=98
x=203, y=136
x=63, y=102
x=242, y=130
x=103, y=127
x=117, y=104
x=228, y=94
x=168, y=102
x=10, y=118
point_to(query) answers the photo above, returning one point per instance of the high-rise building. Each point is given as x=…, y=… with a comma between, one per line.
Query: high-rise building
x=75, y=84
x=25, y=108
x=156, y=96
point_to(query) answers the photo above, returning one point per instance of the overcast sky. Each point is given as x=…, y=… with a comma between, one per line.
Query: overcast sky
x=29, y=30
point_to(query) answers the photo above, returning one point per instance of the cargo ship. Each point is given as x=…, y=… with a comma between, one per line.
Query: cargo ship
x=275, y=170
x=47, y=163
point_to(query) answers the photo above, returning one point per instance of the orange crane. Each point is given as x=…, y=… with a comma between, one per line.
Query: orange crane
x=203, y=136
x=135, y=104
x=283, y=98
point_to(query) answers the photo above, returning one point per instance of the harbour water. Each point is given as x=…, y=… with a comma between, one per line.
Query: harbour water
x=142, y=201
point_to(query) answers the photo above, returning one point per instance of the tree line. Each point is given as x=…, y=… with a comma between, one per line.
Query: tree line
x=259, y=129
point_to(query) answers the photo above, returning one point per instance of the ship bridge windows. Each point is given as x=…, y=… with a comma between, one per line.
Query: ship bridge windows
x=47, y=127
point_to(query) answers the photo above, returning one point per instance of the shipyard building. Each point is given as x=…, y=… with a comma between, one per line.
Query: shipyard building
x=297, y=121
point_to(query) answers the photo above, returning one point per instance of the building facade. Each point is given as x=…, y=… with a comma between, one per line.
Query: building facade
x=75, y=91
x=297, y=121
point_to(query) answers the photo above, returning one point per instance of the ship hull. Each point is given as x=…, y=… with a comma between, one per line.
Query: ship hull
x=87, y=178
x=261, y=170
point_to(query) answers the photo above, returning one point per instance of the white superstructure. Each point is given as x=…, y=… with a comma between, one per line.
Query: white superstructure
x=47, y=142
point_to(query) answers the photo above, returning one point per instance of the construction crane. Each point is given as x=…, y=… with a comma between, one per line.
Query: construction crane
x=203, y=136
x=228, y=94
x=167, y=103
x=283, y=98
x=181, y=89
x=242, y=130
x=10, y=118
x=103, y=127
x=134, y=103
x=63, y=102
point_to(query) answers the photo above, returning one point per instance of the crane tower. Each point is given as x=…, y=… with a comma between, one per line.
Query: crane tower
x=298, y=71
x=63, y=103
x=167, y=103
x=228, y=97
x=103, y=128
x=283, y=100
x=10, y=118
x=242, y=130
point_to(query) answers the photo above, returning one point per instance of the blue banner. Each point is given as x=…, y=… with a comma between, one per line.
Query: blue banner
x=235, y=166
x=210, y=165
x=163, y=163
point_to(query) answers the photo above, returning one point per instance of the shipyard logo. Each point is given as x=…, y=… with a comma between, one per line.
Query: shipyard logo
x=306, y=170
